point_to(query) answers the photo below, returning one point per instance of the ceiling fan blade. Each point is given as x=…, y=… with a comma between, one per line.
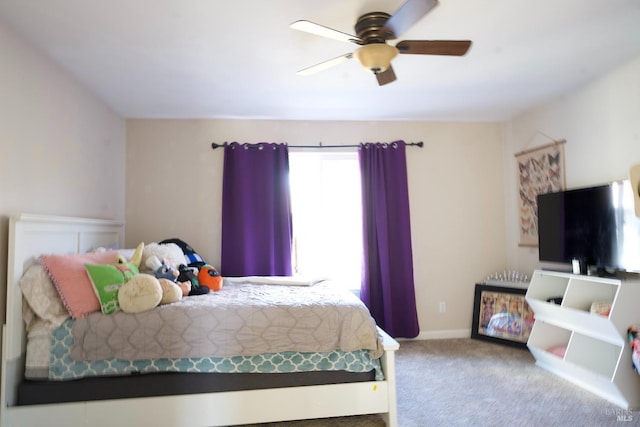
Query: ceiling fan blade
x=434, y=47
x=321, y=30
x=408, y=14
x=324, y=65
x=387, y=76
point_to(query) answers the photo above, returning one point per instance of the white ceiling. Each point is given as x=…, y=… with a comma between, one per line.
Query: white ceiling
x=238, y=58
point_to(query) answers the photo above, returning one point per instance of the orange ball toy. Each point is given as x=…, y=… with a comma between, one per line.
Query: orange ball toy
x=208, y=276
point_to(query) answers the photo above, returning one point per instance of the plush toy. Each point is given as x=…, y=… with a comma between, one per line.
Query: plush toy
x=198, y=290
x=107, y=279
x=144, y=292
x=208, y=276
x=171, y=292
x=188, y=263
x=160, y=269
x=171, y=253
x=185, y=287
x=141, y=293
x=136, y=257
x=193, y=259
x=175, y=261
x=189, y=276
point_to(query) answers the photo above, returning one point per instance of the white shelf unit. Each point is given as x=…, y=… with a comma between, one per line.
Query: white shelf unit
x=597, y=355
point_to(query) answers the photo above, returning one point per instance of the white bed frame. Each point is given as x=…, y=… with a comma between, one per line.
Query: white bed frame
x=33, y=235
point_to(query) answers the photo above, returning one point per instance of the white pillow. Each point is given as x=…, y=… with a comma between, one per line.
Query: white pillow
x=42, y=296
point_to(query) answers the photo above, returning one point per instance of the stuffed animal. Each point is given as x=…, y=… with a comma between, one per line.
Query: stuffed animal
x=144, y=292
x=189, y=276
x=136, y=257
x=173, y=257
x=170, y=252
x=160, y=269
x=141, y=293
x=184, y=259
x=193, y=259
x=208, y=276
x=171, y=292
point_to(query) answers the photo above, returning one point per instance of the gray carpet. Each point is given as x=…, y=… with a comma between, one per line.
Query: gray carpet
x=464, y=382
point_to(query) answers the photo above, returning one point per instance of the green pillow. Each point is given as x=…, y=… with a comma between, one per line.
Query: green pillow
x=106, y=281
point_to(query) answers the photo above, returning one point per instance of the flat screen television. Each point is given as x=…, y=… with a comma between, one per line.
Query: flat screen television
x=595, y=225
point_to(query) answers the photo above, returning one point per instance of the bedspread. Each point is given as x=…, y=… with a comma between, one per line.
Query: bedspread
x=240, y=320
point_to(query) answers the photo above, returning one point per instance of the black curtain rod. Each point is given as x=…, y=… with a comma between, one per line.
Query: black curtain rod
x=416, y=144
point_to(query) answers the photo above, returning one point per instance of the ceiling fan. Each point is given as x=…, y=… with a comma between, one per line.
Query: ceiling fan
x=373, y=30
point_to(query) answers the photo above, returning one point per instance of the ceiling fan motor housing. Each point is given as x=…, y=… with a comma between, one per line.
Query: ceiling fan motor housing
x=375, y=54
x=370, y=28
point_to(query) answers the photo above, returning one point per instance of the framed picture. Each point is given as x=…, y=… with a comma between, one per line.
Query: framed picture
x=501, y=315
x=540, y=171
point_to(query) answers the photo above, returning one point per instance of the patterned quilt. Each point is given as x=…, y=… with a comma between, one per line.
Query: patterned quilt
x=243, y=319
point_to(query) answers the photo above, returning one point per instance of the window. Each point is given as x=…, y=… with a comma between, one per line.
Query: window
x=327, y=215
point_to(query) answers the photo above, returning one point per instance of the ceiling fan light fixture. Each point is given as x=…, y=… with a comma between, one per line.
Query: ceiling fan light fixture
x=376, y=57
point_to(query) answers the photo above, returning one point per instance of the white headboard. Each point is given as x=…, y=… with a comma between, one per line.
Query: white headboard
x=29, y=237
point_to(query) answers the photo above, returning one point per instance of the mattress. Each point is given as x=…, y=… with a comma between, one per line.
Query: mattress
x=63, y=367
x=247, y=328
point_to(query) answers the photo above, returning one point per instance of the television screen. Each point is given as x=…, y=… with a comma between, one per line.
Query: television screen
x=596, y=225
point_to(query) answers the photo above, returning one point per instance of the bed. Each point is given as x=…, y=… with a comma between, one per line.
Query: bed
x=173, y=398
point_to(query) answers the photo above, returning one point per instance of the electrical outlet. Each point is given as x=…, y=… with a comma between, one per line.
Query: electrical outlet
x=442, y=306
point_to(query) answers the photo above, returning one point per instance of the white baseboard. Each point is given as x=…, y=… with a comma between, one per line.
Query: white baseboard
x=447, y=334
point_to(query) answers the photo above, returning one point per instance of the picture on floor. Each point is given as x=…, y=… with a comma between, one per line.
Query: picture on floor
x=502, y=315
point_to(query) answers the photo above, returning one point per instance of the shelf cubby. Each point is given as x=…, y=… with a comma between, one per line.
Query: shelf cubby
x=583, y=291
x=592, y=354
x=548, y=285
x=545, y=336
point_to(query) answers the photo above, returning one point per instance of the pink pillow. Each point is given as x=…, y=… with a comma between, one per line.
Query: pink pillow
x=68, y=274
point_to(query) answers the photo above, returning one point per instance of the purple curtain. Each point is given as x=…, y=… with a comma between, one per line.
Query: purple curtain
x=256, y=210
x=387, y=280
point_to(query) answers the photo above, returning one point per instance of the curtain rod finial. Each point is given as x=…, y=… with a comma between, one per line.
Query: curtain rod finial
x=214, y=145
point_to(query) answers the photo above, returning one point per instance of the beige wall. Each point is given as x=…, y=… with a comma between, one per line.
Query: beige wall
x=174, y=186
x=601, y=123
x=61, y=149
